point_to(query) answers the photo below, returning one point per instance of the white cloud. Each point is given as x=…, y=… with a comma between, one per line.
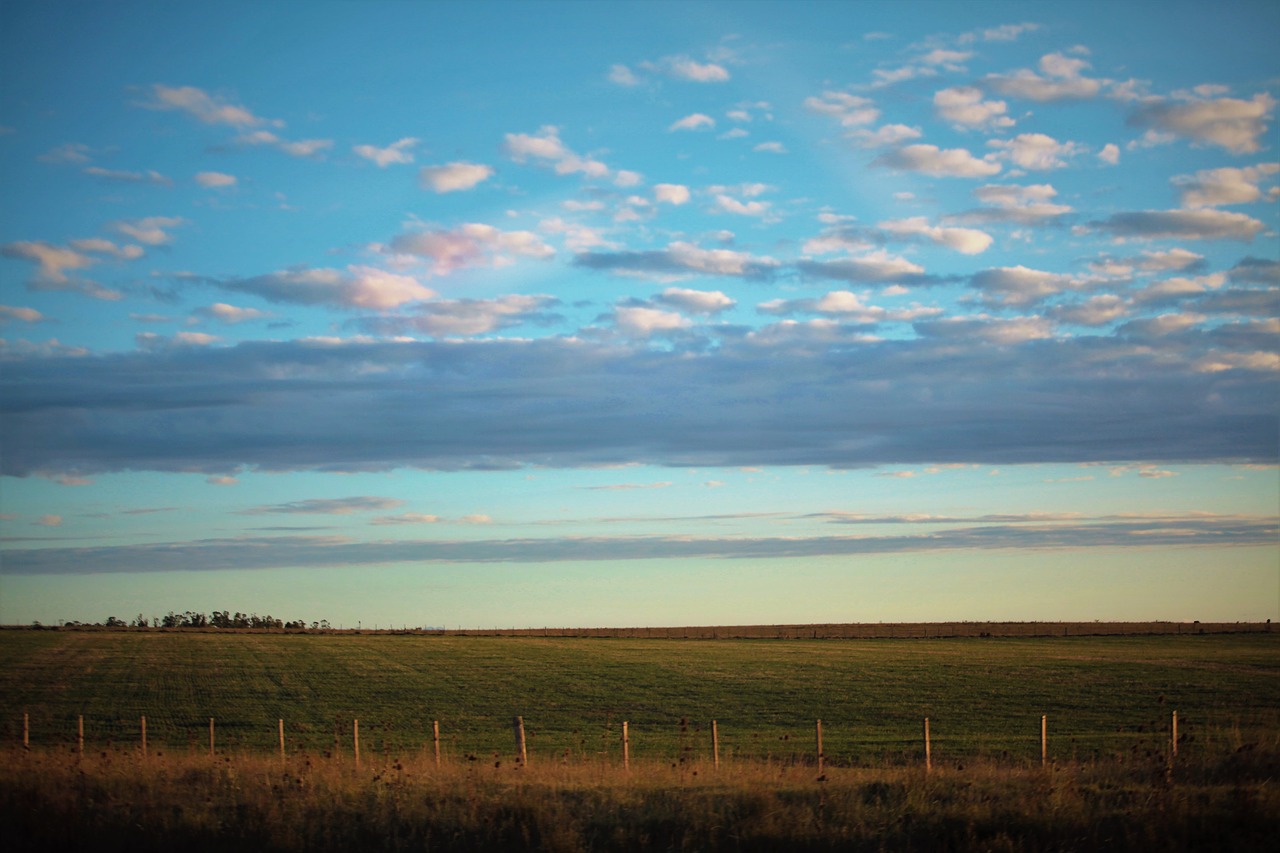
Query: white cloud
x=695, y=121
x=931, y=160
x=771, y=148
x=354, y=287
x=153, y=341
x=1173, y=259
x=1095, y=311
x=695, y=301
x=1110, y=154
x=1019, y=286
x=207, y=108
x=470, y=244
x=1025, y=204
x=463, y=317
x=52, y=262
x=626, y=178
x=623, y=76
x=676, y=194
x=151, y=230
x=966, y=241
x=680, y=260
x=453, y=177
x=949, y=59
x=71, y=152
x=127, y=177
x=878, y=267
x=964, y=107
x=1214, y=187
x=638, y=321
x=889, y=134
x=1236, y=125
x=305, y=147
x=684, y=68
x=215, y=180
x=399, y=151
x=1062, y=80
x=729, y=204
x=1004, y=32
x=1036, y=150
x=577, y=238
x=850, y=110
x=1202, y=224
x=545, y=146
x=1001, y=332
x=25, y=315
x=229, y=314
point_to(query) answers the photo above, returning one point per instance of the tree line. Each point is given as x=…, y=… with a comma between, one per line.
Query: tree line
x=193, y=619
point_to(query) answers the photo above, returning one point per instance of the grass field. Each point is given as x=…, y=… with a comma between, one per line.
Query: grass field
x=1109, y=784
x=1103, y=696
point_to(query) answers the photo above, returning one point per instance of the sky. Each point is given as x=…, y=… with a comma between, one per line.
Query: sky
x=583, y=314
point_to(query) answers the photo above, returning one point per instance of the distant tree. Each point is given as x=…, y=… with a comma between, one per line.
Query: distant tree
x=113, y=622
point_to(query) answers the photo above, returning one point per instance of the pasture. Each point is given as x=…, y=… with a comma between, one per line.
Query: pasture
x=1103, y=696
x=1109, y=782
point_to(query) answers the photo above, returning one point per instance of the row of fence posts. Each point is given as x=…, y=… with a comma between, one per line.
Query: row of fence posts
x=522, y=754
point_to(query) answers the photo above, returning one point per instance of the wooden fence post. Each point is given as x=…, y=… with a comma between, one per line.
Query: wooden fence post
x=928, y=748
x=435, y=735
x=522, y=757
x=355, y=739
x=80, y=734
x=626, y=747
x=715, y=744
x=1044, y=740
x=280, y=728
x=26, y=730
x=211, y=737
x=820, y=756
x=144, y=737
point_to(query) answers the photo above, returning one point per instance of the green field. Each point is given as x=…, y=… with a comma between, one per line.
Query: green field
x=1104, y=696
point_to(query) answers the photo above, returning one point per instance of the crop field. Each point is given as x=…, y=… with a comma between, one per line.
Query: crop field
x=1102, y=696
x=1111, y=780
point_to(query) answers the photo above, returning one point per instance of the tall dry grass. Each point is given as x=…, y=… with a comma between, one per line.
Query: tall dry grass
x=113, y=800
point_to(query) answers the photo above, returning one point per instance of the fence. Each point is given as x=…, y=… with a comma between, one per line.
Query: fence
x=815, y=754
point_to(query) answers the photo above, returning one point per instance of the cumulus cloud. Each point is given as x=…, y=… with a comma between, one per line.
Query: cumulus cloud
x=623, y=76
x=847, y=307
x=889, y=134
x=400, y=151
x=1256, y=270
x=695, y=121
x=151, y=230
x=1204, y=224
x=215, y=180
x=466, y=317
x=328, y=506
x=210, y=109
x=684, y=68
x=1019, y=286
x=53, y=263
x=1096, y=311
x=1110, y=154
x=966, y=241
x=849, y=110
x=453, y=177
x=965, y=108
x=706, y=302
x=1026, y=205
x=124, y=176
x=676, y=194
x=352, y=288
x=468, y=245
x=1061, y=78
x=1036, y=151
x=1230, y=123
x=877, y=267
x=680, y=260
x=179, y=340
x=230, y=314
x=641, y=321
x=936, y=162
x=24, y=315
x=546, y=148
x=1001, y=332
x=1215, y=187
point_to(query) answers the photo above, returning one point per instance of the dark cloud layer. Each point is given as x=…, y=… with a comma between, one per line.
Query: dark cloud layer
x=983, y=397
x=320, y=551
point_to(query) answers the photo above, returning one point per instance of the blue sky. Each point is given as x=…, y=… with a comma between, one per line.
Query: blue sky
x=530, y=314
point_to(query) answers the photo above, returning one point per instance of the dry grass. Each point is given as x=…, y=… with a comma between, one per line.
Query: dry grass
x=56, y=800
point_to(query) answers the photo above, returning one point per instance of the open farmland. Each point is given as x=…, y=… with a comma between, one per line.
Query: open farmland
x=1109, y=783
x=1102, y=696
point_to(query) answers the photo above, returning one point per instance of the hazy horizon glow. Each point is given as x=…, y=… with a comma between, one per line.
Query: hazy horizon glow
x=479, y=315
